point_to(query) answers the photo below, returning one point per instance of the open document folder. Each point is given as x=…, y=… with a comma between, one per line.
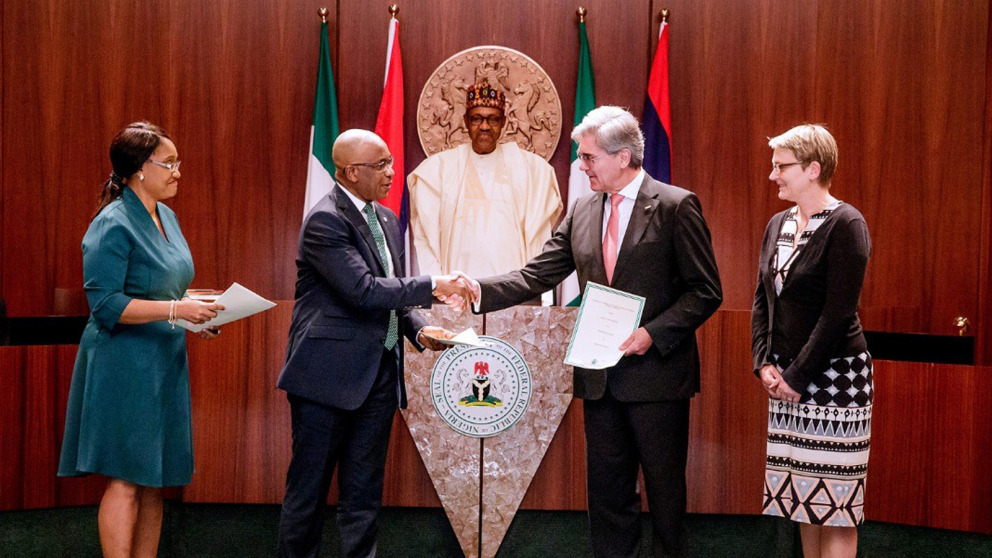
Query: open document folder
x=238, y=302
x=606, y=319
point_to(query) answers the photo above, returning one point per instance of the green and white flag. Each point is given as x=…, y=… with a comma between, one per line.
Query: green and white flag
x=323, y=132
x=578, y=182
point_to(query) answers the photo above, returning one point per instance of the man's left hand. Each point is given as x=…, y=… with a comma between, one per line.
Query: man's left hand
x=437, y=333
x=638, y=343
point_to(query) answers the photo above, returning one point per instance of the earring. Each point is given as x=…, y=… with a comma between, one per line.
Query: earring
x=141, y=176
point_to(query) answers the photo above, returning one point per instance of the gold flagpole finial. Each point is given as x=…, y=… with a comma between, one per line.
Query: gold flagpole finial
x=582, y=14
x=664, y=15
x=393, y=10
x=323, y=14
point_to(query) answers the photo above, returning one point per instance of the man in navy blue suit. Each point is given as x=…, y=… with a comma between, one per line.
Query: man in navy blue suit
x=344, y=364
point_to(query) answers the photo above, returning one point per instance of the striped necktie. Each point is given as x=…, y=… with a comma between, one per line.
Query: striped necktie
x=392, y=334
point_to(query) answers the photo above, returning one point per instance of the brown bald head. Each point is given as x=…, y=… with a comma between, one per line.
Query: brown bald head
x=363, y=163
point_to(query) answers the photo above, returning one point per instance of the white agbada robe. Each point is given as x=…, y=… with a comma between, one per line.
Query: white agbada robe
x=481, y=214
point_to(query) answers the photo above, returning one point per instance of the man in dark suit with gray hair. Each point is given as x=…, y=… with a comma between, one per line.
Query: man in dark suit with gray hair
x=644, y=237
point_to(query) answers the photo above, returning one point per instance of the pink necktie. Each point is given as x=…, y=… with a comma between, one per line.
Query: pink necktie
x=610, y=240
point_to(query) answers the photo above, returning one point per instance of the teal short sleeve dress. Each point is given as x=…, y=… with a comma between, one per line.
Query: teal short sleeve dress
x=128, y=415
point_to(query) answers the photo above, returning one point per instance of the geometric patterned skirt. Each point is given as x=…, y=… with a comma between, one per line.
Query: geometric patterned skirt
x=818, y=448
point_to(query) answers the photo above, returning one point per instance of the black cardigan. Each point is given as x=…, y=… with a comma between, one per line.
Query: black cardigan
x=815, y=318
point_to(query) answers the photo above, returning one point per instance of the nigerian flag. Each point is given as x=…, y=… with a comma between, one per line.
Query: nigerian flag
x=578, y=182
x=323, y=132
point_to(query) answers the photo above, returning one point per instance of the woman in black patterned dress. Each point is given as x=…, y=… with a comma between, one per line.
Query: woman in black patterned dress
x=809, y=349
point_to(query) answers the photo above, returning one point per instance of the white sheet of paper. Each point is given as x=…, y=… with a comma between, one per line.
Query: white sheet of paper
x=606, y=319
x=238, y=303
x=467, y=337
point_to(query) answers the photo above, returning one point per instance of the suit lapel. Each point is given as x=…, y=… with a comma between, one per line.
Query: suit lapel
x=644, y=208
x=348, y=209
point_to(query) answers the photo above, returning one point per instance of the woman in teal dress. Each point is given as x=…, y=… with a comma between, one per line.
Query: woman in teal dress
x=128, y=416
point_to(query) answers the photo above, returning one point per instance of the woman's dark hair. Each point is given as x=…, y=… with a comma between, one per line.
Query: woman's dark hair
x=132, y=146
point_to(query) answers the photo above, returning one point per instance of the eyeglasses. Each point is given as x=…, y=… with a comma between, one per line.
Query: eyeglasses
x=170, y=166
x=589, y=159
x=777, y=167
x=381, y=166
x=493, y=119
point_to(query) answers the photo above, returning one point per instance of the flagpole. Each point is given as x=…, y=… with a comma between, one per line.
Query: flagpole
x=578, y=181
x=664, y=15
x=324, y=126
x=394, y=9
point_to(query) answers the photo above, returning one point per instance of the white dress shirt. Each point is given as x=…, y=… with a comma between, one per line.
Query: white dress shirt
x=626, y=207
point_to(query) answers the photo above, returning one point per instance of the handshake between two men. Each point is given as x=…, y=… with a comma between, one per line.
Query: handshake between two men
x=457, y=291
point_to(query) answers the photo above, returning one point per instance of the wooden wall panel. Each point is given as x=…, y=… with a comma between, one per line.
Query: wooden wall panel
x=232, y=82
x=930, y=440
x=728, y=424
x=3, y=83
x=12, y=403
x=904, y=96
x=32, y=420
x=904, y=92
x=241, y=422
x=983, y=334
x=740, y=71
x=930, y=445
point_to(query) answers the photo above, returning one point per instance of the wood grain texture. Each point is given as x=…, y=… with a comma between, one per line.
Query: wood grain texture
x=32, y=419
x=241, y=422
x=728, y=421
x=905, y=98
x=983, y=333
x=930, y=445
x=910, y=155
x=740, y=72
x=233, y=82
x=225, y=79
x=906, y=91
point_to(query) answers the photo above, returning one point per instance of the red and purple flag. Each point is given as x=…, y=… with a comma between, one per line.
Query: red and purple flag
x=389, y=126
x=657, y=119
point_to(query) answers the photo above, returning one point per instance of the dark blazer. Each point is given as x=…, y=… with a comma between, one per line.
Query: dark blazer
x=665, y=256
x=343, y=299
x=815, y=317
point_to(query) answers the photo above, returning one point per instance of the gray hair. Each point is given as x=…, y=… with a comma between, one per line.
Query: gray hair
x=614, y=129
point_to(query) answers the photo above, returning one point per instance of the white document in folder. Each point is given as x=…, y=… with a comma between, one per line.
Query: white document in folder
x=238, y=302
x=606, y=319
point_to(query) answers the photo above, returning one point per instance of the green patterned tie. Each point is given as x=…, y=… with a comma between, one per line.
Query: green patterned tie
x=392, y=334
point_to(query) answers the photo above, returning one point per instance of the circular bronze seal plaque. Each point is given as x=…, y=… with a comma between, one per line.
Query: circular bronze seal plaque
x=481, y=391
x=533, y=110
